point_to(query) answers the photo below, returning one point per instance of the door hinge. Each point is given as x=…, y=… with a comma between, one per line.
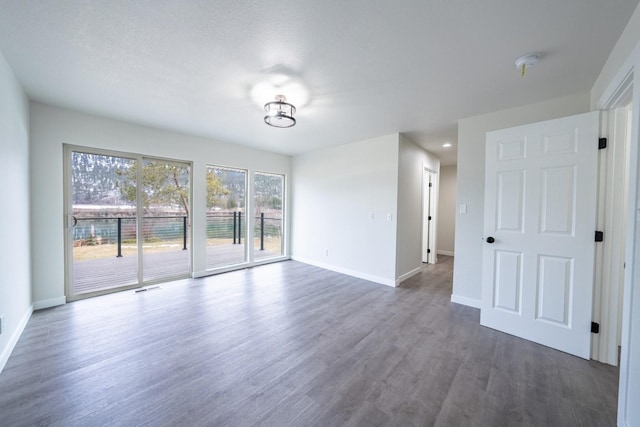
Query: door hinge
x=599, y=236
x=602, y=143
x=595, y=328
x=430, y=185
x=429, y=217
x=428, y=251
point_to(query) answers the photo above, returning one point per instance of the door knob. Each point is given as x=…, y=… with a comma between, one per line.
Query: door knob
x=490, y=239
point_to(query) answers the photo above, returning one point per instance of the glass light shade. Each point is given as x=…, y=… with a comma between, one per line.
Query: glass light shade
x=279, y=113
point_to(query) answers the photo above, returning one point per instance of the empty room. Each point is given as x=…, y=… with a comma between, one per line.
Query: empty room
x=364, y=213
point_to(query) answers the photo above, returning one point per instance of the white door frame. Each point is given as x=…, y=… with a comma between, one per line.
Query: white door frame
x=629, y=385
x=612, y=219
x=429, y=208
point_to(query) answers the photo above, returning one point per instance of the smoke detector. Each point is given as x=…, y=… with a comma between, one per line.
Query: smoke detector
x=527, y=61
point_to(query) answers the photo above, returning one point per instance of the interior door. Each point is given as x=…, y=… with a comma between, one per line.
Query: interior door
x=539, y=224
x=428, y=235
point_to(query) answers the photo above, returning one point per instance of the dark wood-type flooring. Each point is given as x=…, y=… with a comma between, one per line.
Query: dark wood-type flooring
x=288, y=344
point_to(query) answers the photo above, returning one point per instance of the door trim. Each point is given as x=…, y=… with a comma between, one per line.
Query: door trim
x=630, y=337
x=429, y=207
x=612, y=212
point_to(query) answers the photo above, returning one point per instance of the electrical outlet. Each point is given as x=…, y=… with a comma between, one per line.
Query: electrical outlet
x=326, y=252
x=1, y=323
x=371, y=216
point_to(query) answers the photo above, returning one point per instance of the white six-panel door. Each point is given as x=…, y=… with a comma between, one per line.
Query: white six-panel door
x=540, y=212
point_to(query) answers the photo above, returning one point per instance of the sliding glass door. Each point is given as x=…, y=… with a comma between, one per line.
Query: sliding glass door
x=128, y=221
x=103, y=223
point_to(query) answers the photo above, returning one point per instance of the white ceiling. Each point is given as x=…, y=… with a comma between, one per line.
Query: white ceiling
x=355, y=69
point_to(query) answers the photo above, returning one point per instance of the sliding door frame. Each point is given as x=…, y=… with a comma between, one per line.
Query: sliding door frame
x=68, y=150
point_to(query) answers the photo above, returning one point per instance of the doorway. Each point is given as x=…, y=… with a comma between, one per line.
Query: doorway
x=429, y=209
x=622, y=94
x=128, y=221
x=612, y=220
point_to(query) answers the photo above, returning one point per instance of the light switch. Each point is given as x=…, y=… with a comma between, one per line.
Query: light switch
x=463, y=208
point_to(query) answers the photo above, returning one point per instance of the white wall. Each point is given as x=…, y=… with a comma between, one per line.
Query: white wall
x=411, y=161
x=52, y=126
x=334, y=190
x=470, y=179
x=15, y=257
x=447, y=210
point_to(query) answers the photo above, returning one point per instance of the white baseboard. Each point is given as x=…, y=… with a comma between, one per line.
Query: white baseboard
x=470, y=302
x=410, y=274
x=51, y=302
x=6, y=352
x=447, y=253
x=348, y=272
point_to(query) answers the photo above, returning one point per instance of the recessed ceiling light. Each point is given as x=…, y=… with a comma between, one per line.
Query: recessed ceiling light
x=446, y=145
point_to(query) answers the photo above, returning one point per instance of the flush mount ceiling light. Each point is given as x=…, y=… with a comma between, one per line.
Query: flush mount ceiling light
x=279, y=113
x=527, y=61
x=446, y=145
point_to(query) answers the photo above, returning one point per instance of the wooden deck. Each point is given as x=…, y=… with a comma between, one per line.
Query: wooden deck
x=110, y=273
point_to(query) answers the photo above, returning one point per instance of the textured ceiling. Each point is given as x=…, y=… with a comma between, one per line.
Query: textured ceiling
x=355, y=69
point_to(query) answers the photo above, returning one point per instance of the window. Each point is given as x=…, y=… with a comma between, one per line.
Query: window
x=269, y=218
x=226, y=219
